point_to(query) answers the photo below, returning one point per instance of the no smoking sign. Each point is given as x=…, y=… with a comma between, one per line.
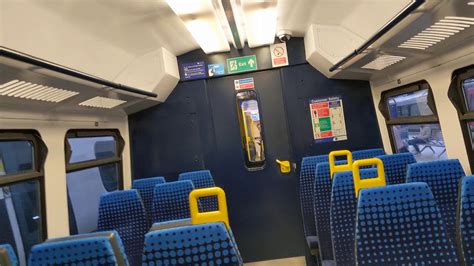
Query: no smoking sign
x=279, y=54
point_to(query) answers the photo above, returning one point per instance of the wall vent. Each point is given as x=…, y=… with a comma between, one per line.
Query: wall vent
x=438, y=32
x=102, y=102
x=32, y=91
x=383, y=61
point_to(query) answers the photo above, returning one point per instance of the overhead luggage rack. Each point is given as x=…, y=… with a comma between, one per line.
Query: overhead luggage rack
x=425, y=30
x=43, y=86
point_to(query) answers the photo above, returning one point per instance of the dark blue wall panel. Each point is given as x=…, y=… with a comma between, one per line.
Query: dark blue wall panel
x=197, y=128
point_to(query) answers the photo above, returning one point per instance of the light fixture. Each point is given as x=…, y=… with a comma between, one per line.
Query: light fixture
x=201, y=20
x=383, y=61
x=260, y=19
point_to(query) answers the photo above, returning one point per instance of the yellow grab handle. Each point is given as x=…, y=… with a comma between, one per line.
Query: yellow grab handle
x=333, y=168
x=368, y=183
x=284, y=166
x=220, y=215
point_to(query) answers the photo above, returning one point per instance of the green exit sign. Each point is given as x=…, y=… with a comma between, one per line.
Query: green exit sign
x=241, y=64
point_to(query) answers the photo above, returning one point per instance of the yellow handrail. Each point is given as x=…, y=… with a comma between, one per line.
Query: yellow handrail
x=333, y=168
x=220, y=215
x=371, y=182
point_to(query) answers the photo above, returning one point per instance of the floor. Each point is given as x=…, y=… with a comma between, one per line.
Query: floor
x=295, y=261
x=428, y=155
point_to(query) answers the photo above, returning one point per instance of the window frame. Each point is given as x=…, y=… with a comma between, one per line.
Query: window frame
x=247, y=163
x=457, y=98
x=412, y=87
x=40, y=152
x=85, y=133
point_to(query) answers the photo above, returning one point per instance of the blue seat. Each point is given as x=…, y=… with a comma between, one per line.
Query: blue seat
x=306, y=193
x=101, y=248
x=401, y=225
x=466, y=220
x=123, y=212
x=396, y=166
x=202, y=244
x=443, y=178
x=7, y=255
x=322, y=204
x=146, y=188
x=202, y=179
x=365, y=154
x=171, y=201
x=343, y=214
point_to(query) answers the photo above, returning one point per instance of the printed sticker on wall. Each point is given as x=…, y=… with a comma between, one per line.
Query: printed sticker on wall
x=194, y=70
x=279, y=54
x=327, y=119
x=241, y=64
x=215, y=70
x=243, y=84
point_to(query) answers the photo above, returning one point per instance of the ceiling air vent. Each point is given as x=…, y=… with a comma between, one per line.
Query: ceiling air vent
x=383, y=61
x=32, y=91
x=102, y=102
x=438, y=32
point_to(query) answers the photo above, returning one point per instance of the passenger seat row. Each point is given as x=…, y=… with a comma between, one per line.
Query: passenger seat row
x=155, y=223
x=338, y=210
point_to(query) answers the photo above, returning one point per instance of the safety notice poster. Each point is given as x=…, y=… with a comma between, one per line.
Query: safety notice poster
x=327, y=118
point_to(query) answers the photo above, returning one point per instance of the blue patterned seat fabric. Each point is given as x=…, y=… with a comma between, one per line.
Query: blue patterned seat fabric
x=365, y=154
x=202, y=179
x=102, y=248
x=443, y=179
x=171, y=201
x=343, y=214
x=307, y=173
x=123, y=212
x=401, y=225
x=322, y=204
x=396, y=166
x=146, y=188
x=7, y=255
x=466, y=220
x=203, y=244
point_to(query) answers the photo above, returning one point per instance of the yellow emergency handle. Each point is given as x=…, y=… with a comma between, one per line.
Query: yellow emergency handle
x=333, y=168
x=220, y=215
x=285, y=167
x=368, y=183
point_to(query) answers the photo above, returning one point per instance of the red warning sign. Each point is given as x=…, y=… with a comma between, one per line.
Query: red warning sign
x=279, y=54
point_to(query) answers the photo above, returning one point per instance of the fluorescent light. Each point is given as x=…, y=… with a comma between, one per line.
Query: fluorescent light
x=260, y=22
x=201, y=20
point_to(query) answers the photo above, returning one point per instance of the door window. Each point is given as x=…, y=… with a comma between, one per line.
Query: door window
x=251, y=129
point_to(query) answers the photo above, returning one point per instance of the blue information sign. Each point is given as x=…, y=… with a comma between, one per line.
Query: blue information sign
x=194, y=70
x=216, y=69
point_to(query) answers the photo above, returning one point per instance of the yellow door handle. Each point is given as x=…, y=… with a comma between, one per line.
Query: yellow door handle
x=285, y=167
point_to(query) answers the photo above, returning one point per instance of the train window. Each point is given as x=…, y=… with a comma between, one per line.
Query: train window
x=93, y=167
x=461, y=94
x=412, y=121
x=22, y=223
x=251, y=129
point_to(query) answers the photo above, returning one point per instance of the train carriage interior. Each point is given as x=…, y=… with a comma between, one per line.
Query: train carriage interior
x=236, y=132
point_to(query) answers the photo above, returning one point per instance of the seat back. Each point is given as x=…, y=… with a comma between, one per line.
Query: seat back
x=322, y=204
x=401, y=225
x=202, y=179
x=201, y=244
x=396, y=166
x=123, y=212
x=365, y=154
x=466, y=220
x=306, y=191
x=443, y=178
x=343, y=214
x=171, y=201
x=101, y=248
x=146, y=188
x=7, y=256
